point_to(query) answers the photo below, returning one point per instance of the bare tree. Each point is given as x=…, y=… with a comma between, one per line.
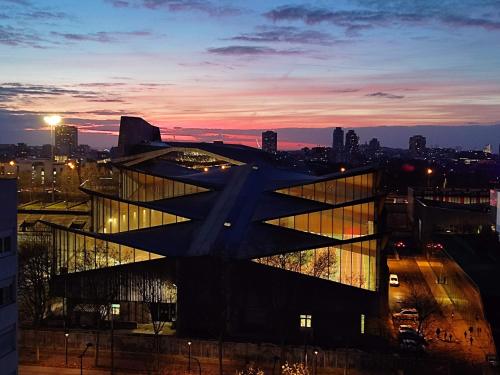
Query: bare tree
x=33, y=282
x=102, y=289
x=425, y=304
x=156, y=290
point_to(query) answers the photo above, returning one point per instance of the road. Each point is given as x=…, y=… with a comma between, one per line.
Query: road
x=417, y=271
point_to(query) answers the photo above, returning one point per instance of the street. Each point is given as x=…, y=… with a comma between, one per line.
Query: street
x=416, y=271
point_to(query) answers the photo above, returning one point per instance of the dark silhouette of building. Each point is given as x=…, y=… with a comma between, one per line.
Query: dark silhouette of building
x=351, y=144
x=133, y=131
x=270, y=141
x=8, y=272
x=374, y=145
x=338, y=144
x=417, y=145
x=280, y=254
x=66, y=140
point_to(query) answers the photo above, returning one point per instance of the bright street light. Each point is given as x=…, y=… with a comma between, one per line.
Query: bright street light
x=429, y=171
x=52, y=120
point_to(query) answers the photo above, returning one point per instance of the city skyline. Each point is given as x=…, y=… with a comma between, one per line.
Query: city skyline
x=237, y=69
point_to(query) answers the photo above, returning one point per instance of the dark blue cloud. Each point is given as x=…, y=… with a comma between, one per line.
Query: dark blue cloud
x=286, y=34
x=393, y=13
x=386, y=95
x=251, y=50
x=203, y=6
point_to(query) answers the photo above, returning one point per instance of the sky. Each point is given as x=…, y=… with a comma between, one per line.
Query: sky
x=206, y=69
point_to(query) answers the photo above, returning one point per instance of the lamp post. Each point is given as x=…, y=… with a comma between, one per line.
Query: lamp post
x=52, y=121
x=189, y=356
x=429, y=172
x=315, y=368
x=89, y=344
x=66, y=335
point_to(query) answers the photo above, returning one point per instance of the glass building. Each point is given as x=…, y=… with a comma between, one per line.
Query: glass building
x=191, y=205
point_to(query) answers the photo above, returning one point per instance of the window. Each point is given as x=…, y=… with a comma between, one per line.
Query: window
x=305, y=321
x=5, y=245
x=7, y=340
x=7, y=293
x=362, y=327
x=115, y=309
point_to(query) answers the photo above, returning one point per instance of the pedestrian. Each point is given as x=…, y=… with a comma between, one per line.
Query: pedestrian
x=452, y=315
x=451, y=337
x=465, y=334
x=471, y=339
x=438, y=331
x=471, y=329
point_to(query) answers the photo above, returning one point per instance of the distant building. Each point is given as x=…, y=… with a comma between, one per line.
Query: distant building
x=22, y=150
x=66, y=140
x=374, y=145
x=8, y=271
x=417, y=145
x=338, y=144
x=487, y=149
x=351, y=143
x=270, y=141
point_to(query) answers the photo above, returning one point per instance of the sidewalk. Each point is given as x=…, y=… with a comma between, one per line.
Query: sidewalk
x=457, y=325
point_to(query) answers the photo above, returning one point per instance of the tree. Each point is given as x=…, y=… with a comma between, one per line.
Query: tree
x=102, y=288
x=33, y=281
x=156, y=290
x=425, y=304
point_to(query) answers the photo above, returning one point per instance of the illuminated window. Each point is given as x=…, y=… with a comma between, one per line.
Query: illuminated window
x=305, y=321
x=362, y=324
x=115, y=308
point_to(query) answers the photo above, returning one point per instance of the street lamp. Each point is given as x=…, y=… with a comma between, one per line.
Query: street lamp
x=89, y=344
x=315, y=368
x=66, y=335
x=189, y=356
x=429, y=171
x=52, y=121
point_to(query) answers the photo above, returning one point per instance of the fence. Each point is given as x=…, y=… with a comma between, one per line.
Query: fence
x=236, y=351
x=131, y=345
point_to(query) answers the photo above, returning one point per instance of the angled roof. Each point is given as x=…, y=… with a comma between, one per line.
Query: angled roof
x=228, y=220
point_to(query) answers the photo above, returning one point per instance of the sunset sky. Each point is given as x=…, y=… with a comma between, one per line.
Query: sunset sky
x=233, y=66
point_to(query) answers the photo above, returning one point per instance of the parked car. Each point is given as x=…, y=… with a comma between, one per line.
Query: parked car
x=413, y=335
x=406, y=314
x=492, y=359
x=393, y=280
x=411, y=345
x=406, y=328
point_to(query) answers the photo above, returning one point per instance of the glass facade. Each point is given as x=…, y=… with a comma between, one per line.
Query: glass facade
x=78, y=252
x=353, y=264
x=335, y=191
x=112, y=216
x=341, y=223
x=141, y=187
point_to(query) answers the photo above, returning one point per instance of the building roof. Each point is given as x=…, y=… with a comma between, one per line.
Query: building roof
x=228, y=220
